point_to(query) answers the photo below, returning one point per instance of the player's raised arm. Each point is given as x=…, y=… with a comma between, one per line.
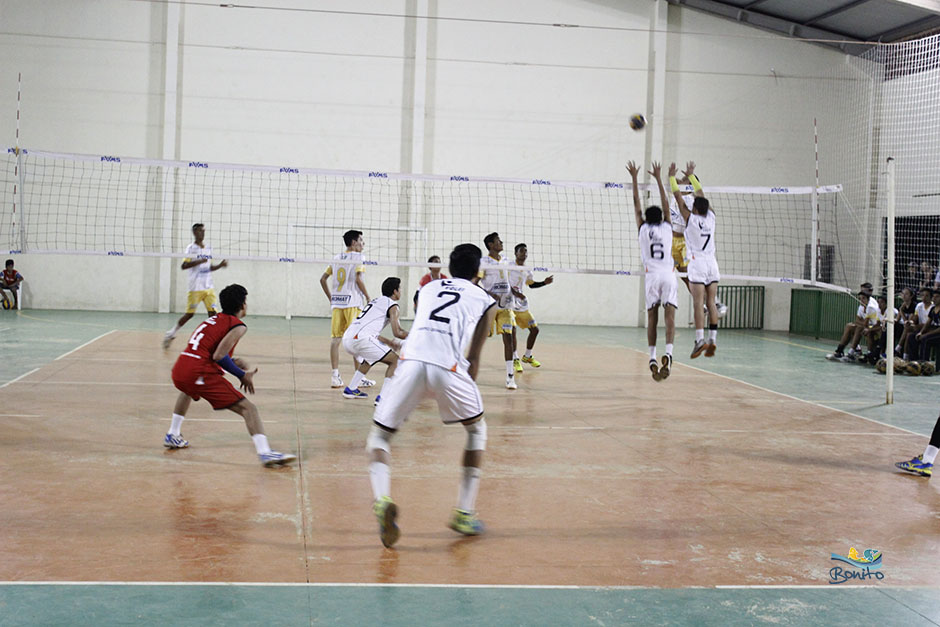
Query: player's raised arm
x=674, y=185
x=656, y=170
x=637, y=207
x=480, y=333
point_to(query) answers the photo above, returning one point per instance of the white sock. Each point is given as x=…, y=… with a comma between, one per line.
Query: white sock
x=930, y=454
x=528, y=353
x=669, y=349
x=699, y=335
x=381, y=479
x=356, y=380
x=653, y=353
x=261, y=443
x=469, y=486
x=515, y=355
x=176, y=425
x=509, y=368
x=335, y=372
x=172, y=332
x=712, y=335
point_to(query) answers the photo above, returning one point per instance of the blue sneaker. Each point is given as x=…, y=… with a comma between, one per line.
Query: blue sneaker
x=174, y=441
x=466, y=523
x=917, y=466
x=387, y=512
x=377, y=399
x=272, y=459
x=357, y=393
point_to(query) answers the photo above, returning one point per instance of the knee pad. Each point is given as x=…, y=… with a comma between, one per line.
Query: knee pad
x=379, y=439
x=476, y=435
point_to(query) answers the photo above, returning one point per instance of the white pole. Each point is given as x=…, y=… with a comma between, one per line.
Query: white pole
x=166, y=268
x=889, y=314
x=814, y=199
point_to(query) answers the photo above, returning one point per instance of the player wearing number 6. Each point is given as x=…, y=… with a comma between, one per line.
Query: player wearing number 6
x=198, y=373
x=347, y=297
x=703, y=267
x=655, y=235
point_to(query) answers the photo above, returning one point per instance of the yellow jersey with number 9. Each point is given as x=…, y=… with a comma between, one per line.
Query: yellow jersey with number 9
x=343, y=289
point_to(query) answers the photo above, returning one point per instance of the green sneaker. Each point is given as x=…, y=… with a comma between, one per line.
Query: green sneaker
x=517, y=365
x=386, y=511
x=466, y=523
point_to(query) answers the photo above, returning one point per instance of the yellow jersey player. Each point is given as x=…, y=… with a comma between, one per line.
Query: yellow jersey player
x=198, y=261
x=519, y=279
x=347, y=293
x=494, y=279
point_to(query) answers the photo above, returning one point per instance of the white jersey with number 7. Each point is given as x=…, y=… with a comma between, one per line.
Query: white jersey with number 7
x=700, y=234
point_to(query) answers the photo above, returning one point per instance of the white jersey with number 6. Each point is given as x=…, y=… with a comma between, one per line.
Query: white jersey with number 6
x=345, y=292
x=372, y=320
x=700, y=235
x=656, y=247
x=448, y=312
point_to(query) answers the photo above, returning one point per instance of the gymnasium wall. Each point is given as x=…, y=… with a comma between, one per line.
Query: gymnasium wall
x=328, y=90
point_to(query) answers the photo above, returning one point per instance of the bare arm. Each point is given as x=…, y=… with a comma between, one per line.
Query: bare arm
x=362, y=286
x=657, y=171
x=690, y=173
x=192, y=263
x=221, y=264
x=326, y=288
x=480, y=334
x=637, y=207
x=680, y=203
x=397, y=331
x=225, y=347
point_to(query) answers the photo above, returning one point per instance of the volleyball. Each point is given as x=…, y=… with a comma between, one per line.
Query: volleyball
x=927, y=368
x=637, y=122
x=7, y=304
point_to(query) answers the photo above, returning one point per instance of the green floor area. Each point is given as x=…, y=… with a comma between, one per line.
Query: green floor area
x=79, y=605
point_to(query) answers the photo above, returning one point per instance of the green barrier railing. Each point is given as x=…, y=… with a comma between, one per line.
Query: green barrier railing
x=821, y=314
x=745, y=306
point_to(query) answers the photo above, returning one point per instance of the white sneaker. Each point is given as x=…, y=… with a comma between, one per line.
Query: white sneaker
x=167, y=338
x=366, y=383
x=336, y=381
x=272, y=459
x=511, y=383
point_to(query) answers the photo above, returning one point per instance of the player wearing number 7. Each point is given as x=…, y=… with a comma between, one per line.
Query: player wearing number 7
x=655, y=235
x=703, y=268
x=198, y=373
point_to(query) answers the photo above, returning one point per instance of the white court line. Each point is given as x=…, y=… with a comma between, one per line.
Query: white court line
x=20, y=415
x=531, y=428
x=26, y=374
x=273, y=422
x=84, y=345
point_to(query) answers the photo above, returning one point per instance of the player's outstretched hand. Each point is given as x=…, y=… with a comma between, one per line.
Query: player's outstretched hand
x=247, y=382
x=550, y=280
x=689, y=168
x=656, y=169
x=632, y=169
x=673, y=169
x=223, y=263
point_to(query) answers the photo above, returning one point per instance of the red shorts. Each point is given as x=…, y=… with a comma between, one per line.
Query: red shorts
x=212, y=386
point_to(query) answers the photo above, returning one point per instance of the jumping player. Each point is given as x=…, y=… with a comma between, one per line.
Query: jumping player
x=346, y=298
x=198, y=373
x=655, y=236
x=453, y=319
x=198, y=261
x=494, y=279
x=519, y=279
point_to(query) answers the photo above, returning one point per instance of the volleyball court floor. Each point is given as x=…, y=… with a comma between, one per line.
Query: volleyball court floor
x=716, y=496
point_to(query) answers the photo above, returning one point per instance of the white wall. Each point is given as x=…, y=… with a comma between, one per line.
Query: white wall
x=317, y=89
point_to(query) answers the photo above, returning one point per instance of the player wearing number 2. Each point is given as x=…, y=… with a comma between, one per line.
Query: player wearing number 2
x=703, y=267
x=347, y=297
x=198, y=373
x=655, y=235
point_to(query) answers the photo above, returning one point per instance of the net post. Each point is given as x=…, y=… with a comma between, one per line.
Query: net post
x=20, y=197
x=289, y=283
x=889, y=314
x=814, y=200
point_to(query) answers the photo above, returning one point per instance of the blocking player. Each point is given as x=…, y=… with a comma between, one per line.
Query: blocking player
x=519, y=279
x=655, y=236
x=10, y=280
x=198, y=373
x=453, y=319
x=363, y=342
x=346, y=295
x=923, y=464
x=494, y=279
x=198, y=261
x=703, y=266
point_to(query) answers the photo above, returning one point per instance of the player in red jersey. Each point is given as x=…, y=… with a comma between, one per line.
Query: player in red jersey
x=198, y=373
x=10, y=280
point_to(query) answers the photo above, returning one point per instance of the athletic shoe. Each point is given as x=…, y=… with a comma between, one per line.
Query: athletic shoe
x=666, y=368
x=174, y=441
x=377, y=399
x=849, y=358
x=698, y=349
x=357, y=393
x=511, y=383
x=710, y=349
x=167, y=339
x=722, y=309
x=917, y=466
x=366, y=383
x=272, y=459
x=466, y=523
x=654, y=368
x=336, y=381
x=386, y=511
x=517, y=365
x=836, y=356
x=532, y=361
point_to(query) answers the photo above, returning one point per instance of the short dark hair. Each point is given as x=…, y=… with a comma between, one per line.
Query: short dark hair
x=926, y=289
x=351, y=236
x=232, y=298
x=465, y=261
x=488, y=240
x=700, y=205
x=389, y=285
x=9, y=262
x=654, y=214
x=434, y=259
x=518, y=246
x=866, y=285
x=198, y=225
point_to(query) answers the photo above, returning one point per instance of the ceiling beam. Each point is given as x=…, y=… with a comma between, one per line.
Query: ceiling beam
x=835, y=11
x=905, y=30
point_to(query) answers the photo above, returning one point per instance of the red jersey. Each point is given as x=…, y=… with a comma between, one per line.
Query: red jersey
x=10, y=276
x=196, y=358
x=427, y=278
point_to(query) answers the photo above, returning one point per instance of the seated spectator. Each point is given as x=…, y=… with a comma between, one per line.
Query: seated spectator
x=929, y=338
x=905, y=321
x=852, y=334
x=10, y=280
x=911, y=346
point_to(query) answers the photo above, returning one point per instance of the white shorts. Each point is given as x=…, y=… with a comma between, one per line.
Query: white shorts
x=661, y=289
x=367, y=349
x=703, y=270
x=458, y=398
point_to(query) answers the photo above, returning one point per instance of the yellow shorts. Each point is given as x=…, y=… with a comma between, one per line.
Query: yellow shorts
x=524, y=320
x=203, y=296
x=679, y=254
x=502, y=324
x=342, y=318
